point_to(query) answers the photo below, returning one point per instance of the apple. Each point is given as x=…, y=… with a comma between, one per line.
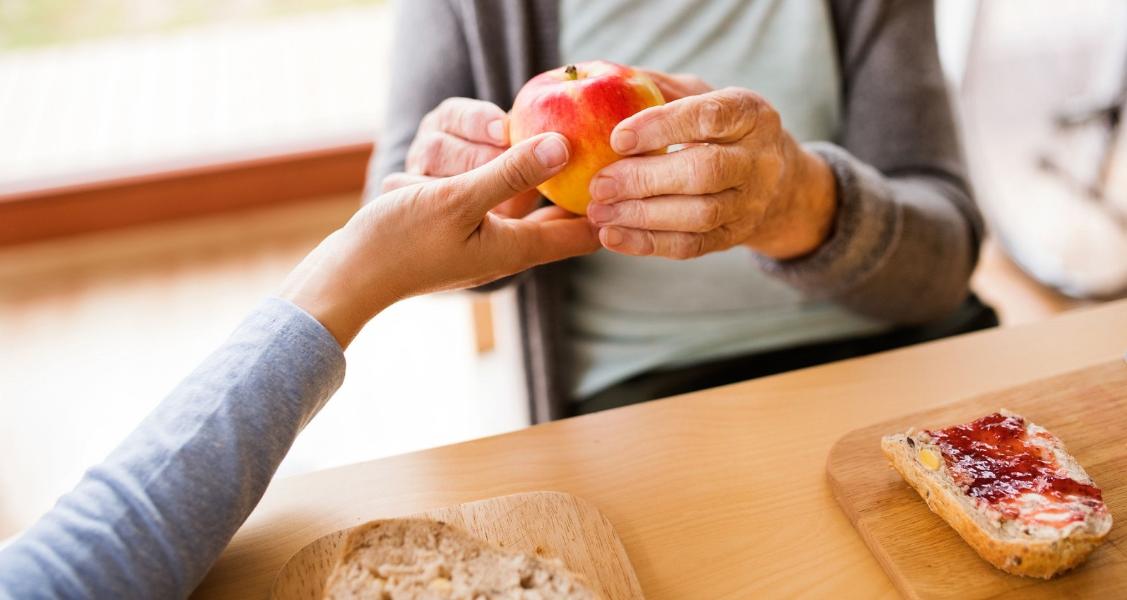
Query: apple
x=583, y=102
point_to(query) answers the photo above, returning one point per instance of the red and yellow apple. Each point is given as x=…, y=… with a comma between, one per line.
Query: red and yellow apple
x=584, y=102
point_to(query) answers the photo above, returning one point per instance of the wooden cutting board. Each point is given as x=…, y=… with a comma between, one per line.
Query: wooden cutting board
x=925, y=558
x=550, y=524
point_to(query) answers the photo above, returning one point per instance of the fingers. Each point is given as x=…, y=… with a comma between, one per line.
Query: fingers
x=695, y=214
x=398, y=180
x=441, y=154
x=518, y=170
x=459, y=135
x=675, y=86
x=722, y=116
x=676, y=245
x=518, y=206
x=530, y=243
x=550, y=213
x=472, y=120
x=704, y=169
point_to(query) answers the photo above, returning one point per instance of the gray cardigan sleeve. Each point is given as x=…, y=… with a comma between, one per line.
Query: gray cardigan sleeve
x=430, y=63
x=907, y=231
x=149, y=521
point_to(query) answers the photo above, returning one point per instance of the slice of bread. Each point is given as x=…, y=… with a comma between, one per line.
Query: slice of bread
x=419, y=559
x=1012, y=528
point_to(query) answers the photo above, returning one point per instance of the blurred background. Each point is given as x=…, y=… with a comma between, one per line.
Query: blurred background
x=164, y=163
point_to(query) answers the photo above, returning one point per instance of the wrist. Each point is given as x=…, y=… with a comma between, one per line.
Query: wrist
x=325, y=286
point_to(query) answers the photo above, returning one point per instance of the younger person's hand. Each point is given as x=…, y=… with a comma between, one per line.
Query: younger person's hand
x=438, y=235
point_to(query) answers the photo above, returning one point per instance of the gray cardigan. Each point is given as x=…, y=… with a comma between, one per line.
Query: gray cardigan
x=907, y=233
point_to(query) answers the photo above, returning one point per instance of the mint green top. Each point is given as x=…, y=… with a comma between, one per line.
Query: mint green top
x=629, y=315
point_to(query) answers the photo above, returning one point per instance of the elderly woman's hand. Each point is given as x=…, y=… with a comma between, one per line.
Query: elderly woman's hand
x=742, y=179
x=459, y=135
x=438, y=235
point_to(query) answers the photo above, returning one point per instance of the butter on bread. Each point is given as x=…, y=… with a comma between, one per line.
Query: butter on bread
x=1009, y=488
x=420, y=559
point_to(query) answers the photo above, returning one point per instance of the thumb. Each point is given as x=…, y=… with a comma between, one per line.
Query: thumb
x=519, y=169
x=677, y=85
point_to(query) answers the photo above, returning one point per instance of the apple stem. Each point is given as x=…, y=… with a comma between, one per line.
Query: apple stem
x=572, y=72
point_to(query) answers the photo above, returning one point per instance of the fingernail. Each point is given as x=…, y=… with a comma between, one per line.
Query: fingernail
x=496, y=130
x=624, y=140
x=550, y=152
x=604, y=188
x=612, y=236
x=601, y=213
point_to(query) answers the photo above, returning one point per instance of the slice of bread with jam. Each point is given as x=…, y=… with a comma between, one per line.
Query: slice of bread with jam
x=1009, y=488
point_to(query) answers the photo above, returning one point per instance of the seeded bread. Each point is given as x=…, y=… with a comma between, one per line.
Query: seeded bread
x=418, y=559
x=1012, y=545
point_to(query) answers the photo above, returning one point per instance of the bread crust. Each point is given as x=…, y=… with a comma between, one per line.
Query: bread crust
x=1026, y=556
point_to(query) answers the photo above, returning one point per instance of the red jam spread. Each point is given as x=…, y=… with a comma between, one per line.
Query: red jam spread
x=993, y=459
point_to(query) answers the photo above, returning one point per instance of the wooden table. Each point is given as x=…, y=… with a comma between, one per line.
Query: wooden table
x=716, y=494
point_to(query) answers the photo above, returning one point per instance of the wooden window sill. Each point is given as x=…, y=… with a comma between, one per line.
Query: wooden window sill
x=36, y=211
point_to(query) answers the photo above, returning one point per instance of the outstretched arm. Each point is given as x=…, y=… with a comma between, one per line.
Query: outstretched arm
x=151, y=519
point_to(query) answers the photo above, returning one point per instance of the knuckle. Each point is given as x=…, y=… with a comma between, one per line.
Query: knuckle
x=767, y=118
x=411, y=163
x=472, y=156
x=769, y=168
x=647, y=182
x=763, y=113
x=447, y=106
x=430, y=120
x=711, y=215
x=465, y=120
x=431, y=152
x=631, y=182
x=482, y=155
x=706, y=169
x=468, y=118
x=413, y=195
x=464, y=159
x=715, y=164
x=450, y=114
x=669, y=126
x=711, y=115
x=517, y=174
x=744, y=98
x=393, y=181
x=728, y=236
x=652, y=246
x=634, y=214
x=697, y=246
x=685, y=247
x=456, y=195
x=747, y=106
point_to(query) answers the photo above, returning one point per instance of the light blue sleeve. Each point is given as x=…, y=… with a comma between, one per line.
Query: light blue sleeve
x=150, y=520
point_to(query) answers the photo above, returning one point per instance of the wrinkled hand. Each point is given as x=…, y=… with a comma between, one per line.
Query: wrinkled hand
x=438, y=235
x=741, y=179
x=459, y=135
